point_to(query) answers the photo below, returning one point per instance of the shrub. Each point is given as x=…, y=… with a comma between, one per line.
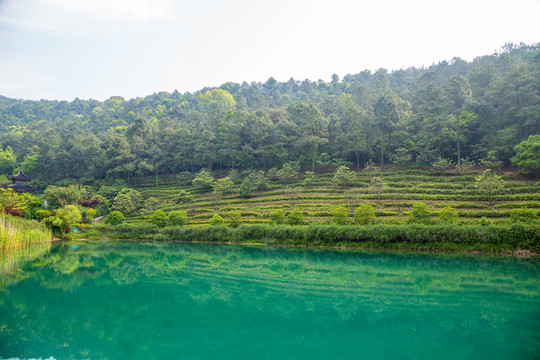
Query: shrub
x=420, y=214
x=340, y=215
x=89, y=215
x=182, y=197
x=62, y=219
x=259, y=181
x=159, y=218
x=371, y=167
x=42, y=214
x=277, y=217
x=204, y=180
x=309, y=178
x=343, y=177
x=216, y=220
x=364, y=214
x=448, y=215
x=245, y=188
x=177, y=218
x=484, y=221
x=442, y=164
x=464, y=165
x=296, y=217
x=235, y=218
x=489, y=184
x=114, y=218
x=524, y=215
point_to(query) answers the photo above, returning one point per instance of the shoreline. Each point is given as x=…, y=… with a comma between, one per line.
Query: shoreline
x=517, y=253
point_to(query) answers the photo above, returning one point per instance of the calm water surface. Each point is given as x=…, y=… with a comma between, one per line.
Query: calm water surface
x=129, y=300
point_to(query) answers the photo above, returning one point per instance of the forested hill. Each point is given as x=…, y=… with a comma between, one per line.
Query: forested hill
x=403, y=116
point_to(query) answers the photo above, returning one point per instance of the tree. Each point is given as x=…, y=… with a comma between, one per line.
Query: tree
x=420, y=214
x=127, y=201
x=364, y=214
x=296, y=217
x=340, y=215
x=159, y=218
x=528, y=155
x=221, y=187
x=378, y=185
x=8, y=160
x=459, y=91
x=58, y=196
x=217, y=220
x=313, y=126
x=204, y=180
x=64, y=218
x=343, y=177
x=114, y=218
x=277, y=217
x=177, y=218
x=489, y=184
x=389, y=110
x=448, y=215
x=235, y=218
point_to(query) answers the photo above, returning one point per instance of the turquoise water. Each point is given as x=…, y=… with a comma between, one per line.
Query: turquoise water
x=129, y=300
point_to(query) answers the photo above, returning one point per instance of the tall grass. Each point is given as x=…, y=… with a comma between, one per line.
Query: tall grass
x=15, y=232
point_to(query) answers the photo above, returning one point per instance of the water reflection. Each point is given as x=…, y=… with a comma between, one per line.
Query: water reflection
x=124, y=298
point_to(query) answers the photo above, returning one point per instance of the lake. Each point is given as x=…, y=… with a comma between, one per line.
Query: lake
x=144, y=300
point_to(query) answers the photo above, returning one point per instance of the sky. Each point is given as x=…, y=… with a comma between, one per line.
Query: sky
x=95, y=49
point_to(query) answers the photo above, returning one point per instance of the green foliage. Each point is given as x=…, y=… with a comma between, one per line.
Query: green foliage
x=442, y=164
x=277, y=217
x=88, y=215
x=182, y=197
x=309, y=178
x=63, y=219
x=343, y=177
x=491, y=161
x=8, y=160
x=287, y=172
x=296, y=217
x=420, y=214
x=114, y=218
x=364, y=214
x=448, y=215
x=62, y=196
x=489, y=184
x=234, y=218
x=246, y=188
x=41, y=214
x=204, y=180
x=177, y=218
x=159, y=218
x=378, y=185
x=464, y=166
x=340, y=215
x=259, y=181
x=216, y=220
x=371, y=168
x=222, y=186
x=401, y=157
x=127, y=201
x=523, y=215
x=528, y=155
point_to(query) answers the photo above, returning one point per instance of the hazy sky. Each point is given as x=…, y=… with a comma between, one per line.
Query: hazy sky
x=62, y=49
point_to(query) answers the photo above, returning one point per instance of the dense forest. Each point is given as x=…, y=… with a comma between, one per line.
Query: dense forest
x=454, y=110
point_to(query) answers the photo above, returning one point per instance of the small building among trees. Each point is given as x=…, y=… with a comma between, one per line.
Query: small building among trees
x=19, y=182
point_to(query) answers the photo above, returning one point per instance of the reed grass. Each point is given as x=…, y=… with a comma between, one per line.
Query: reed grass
x=15, y=232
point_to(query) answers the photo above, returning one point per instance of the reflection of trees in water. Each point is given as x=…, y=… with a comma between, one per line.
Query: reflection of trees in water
x=257, y=275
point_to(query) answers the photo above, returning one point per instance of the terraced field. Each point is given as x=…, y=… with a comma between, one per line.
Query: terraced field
x=392, y=203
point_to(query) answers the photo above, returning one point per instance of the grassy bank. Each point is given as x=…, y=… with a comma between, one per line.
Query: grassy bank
x=403, y=236
x=17, y=232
